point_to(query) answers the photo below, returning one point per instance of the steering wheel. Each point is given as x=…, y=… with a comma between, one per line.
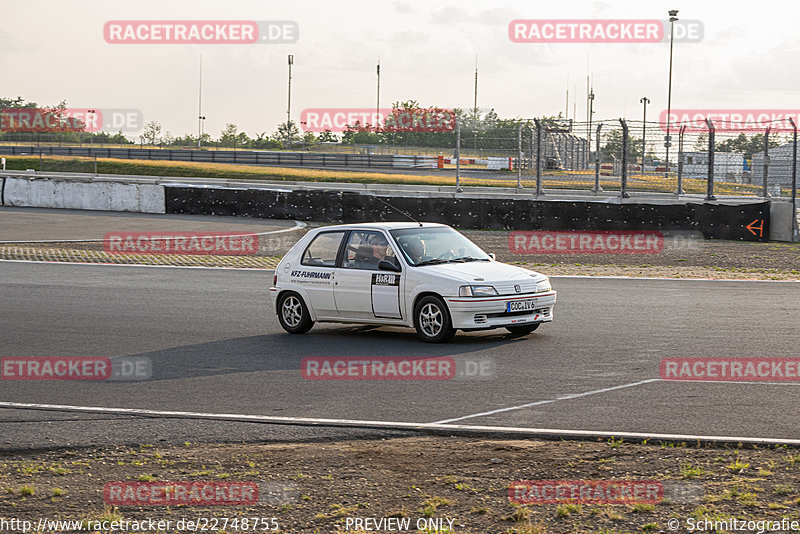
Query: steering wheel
x=449, y=255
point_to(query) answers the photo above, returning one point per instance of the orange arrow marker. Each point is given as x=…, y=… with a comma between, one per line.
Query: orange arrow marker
x=753, y=228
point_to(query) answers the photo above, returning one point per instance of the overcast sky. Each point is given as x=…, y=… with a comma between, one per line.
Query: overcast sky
x=55, y=50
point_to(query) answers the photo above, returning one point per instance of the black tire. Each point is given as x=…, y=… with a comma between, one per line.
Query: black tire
x=432, y=320
x=293, y=314
x=522, y=330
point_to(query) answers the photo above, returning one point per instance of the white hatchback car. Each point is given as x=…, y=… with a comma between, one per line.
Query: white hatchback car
x=426, y=276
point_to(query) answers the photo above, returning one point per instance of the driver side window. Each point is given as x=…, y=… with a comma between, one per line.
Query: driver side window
x=365, y=249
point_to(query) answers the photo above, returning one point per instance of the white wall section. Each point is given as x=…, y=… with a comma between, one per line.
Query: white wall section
x=71, y=194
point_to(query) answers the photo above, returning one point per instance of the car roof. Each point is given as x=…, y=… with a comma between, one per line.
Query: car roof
x=383, y=225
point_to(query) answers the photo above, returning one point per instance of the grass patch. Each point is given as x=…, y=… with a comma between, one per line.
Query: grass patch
x=252, y=172
x=690, y=471
x=566, y=510
x=430, y=505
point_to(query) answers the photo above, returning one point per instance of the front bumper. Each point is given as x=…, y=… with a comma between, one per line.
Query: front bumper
x=470, y=313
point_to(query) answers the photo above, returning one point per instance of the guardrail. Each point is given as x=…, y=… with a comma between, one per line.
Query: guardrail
x=243, y=157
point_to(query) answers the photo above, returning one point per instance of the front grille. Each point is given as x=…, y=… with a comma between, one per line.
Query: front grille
x=540, y=311
x=507, y=288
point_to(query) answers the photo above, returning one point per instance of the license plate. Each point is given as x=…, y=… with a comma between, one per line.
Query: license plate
x=520, y=305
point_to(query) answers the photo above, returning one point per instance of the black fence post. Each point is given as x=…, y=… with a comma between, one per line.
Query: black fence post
x=538, y=157
x=766, y=162
x=457, y=154
x=710, y=185
x=679, y=190
x=519, y=156
x=794, y=179
x=597, y=188
x=623, y=179
x=530, y=147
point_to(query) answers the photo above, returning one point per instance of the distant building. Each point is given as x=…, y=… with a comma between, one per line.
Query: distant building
x=779, y=170
x=728, y=166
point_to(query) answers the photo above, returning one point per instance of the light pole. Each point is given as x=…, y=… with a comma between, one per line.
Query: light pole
x=92, y=113
x=378, y=101
x=591, y=104
x=200, y=104
x=673, y=16
x=475, y=108
x=201, y=118
x=644, y=100
x=289, y=105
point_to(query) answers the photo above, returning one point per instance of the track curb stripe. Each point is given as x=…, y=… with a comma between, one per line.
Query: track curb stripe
x=432, y=428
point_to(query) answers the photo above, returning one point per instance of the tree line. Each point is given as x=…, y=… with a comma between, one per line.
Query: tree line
x=479, y=130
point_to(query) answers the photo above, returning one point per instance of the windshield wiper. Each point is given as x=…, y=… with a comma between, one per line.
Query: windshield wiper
x=464, y=259
x=434, y=261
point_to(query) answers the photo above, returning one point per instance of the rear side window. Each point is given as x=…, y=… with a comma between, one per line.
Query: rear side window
x=322, y=250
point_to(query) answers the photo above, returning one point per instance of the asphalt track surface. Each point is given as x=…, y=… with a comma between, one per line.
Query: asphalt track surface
x=215, y=346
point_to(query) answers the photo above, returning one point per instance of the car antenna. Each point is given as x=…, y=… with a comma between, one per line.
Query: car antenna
x=401, y=211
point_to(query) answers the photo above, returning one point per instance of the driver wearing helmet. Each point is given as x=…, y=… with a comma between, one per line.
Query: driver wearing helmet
x=415, y=248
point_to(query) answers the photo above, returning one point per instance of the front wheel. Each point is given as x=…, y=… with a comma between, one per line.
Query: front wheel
x=293, y=314
x=523, y=329
x=432, y=320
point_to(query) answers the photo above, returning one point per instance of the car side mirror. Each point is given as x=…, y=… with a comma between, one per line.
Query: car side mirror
x=384, y=265
x=491, y=255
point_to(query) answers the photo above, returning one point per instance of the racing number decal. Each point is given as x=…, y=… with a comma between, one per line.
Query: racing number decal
x=385, y=279
x=386, y=295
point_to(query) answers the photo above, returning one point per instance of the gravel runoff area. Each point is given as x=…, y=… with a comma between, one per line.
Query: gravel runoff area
x=412, y=484
x=682, y=256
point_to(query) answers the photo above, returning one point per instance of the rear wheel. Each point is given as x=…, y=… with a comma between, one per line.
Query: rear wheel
x=523, y=329
x=432, y=320
x=293, y=314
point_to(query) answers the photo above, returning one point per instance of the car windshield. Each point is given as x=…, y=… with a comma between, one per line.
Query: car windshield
x=428, y=246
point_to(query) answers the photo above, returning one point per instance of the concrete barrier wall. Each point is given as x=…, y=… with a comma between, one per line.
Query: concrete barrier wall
x=784, y=221
x=70, y=194
x=743, y=221
x=719, y=221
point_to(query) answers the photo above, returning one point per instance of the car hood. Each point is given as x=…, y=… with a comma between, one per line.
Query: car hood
x=489, y=272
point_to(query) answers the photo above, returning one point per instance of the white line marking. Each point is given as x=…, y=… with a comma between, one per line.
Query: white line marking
x=272, y=269
x=297, y=225
x=549, y=401
x=98, y=264
x=612, y=277
x=392, y=425
x=750, y=382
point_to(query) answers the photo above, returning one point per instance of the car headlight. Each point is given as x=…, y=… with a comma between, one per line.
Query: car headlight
x=477, y=291
x=544, y=285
